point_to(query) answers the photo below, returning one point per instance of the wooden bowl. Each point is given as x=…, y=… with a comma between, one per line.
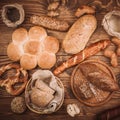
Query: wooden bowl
x=92, y=101
x=30, y=106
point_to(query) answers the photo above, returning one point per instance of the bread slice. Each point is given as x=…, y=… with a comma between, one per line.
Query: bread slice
x=40, y=98
x=44, y=87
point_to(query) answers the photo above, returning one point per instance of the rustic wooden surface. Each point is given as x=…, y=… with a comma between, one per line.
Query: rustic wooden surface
x=87, y=113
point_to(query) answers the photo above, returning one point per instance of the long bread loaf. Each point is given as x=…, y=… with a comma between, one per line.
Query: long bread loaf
x=79, y=34
x=81, y=56
x=50, y=23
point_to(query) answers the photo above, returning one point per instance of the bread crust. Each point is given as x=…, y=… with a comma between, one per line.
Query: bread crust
x=79, y=34
x=81, y=56
x=28, y=61
x=50, y=23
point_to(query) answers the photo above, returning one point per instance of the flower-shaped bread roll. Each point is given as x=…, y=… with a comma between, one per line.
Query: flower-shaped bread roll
x=33, y=48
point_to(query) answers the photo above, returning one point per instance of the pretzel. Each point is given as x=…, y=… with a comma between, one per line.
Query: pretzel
x=11, y=81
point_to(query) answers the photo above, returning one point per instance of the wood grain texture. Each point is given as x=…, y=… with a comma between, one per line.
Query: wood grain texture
x=87, y=113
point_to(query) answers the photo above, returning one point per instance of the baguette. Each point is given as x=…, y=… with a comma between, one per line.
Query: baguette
x=50, y=23
x=81, y=56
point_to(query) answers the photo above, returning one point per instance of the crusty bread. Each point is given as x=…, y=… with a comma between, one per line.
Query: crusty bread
x=79, y=34
x=14, y=52
x=28, y=61
x=33, y=47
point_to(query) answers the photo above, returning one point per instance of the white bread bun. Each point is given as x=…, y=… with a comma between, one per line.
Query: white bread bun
x=32, y=48
x=51, y=44
x=37, y=33
x=40, y=98
x=46, y=60
x=14, y=52
x=28, y=61
x=20, y=35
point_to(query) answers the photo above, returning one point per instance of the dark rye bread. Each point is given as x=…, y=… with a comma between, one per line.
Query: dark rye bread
x=84, y=90
x=98, y=77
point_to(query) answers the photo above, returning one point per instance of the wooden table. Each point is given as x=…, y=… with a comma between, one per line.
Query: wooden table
x=87, y=113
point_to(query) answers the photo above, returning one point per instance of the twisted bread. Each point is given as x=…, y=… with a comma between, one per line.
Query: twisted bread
x=11, y=81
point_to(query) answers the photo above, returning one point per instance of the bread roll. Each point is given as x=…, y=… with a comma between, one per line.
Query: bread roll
x=79, y=34
x=14, y=52
x=49, y=22
x=20, y=35
x=51, y=44
x=46, y=60
x=33, y=47
x=37, y=33
x=98, y=77
x=28, y=61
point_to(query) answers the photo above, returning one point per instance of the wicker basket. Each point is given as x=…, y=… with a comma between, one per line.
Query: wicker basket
x=41, y=112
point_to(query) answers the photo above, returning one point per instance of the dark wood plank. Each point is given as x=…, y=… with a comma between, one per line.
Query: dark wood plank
x=87, y=113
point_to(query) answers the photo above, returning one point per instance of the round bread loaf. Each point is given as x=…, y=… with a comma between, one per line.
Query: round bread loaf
x=18, y=105
x=33, y=47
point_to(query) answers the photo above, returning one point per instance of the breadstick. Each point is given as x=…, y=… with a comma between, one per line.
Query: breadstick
x=50, y=23
x=81, y=56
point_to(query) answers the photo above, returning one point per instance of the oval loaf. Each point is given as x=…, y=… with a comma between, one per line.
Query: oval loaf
x=79, y=34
